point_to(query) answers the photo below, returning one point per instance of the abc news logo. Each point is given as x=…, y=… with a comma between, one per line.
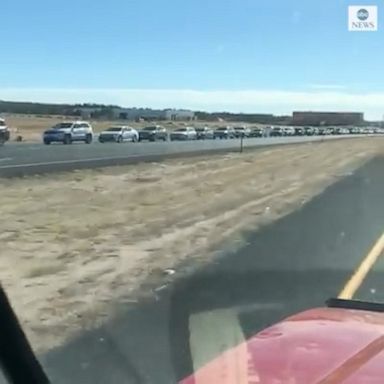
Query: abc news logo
x=362, y=18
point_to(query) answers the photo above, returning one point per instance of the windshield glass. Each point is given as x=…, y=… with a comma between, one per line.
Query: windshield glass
x=62, y=125
x=114, y=129
x=137, y=250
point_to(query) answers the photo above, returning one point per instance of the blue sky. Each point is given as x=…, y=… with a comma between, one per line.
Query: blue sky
x=239, y=55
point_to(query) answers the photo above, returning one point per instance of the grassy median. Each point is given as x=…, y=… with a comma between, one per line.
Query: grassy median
x=75, y=245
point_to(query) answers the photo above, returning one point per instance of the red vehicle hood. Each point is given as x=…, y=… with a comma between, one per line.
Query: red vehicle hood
x=325, y=345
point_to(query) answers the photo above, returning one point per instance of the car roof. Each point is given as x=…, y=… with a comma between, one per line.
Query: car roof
x=73, y=122
x=319, y=345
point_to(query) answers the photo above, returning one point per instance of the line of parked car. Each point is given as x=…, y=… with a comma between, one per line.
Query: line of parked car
x=324, y=131
x=69, y=132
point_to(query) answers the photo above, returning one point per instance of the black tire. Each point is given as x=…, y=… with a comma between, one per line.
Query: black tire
x=67, y=139
x=101, y=141
x=47, y=142
x=88, y=139
x=135, y=139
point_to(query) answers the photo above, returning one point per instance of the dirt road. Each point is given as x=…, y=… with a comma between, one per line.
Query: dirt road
x=75, y=245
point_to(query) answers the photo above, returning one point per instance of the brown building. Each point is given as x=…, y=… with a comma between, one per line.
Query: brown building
x=327, y=118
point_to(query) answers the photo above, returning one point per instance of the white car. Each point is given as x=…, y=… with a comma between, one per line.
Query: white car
x=119, y=134
x=288, y=131
x=242, y=131
x=275, y=131
x=4, y=132
x=344, y=131
x=187, y=133
x=68, y=132
x=224, y=133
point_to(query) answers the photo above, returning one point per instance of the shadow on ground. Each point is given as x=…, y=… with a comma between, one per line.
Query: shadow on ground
x=294, y=264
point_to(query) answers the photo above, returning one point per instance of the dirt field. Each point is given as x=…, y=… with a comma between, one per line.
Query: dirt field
x=31, y=127
x=74, y=245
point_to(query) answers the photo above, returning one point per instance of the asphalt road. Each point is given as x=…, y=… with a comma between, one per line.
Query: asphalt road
x=17, y=159
x=294, y=264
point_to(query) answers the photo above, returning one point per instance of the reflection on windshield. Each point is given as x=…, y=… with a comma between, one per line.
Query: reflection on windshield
x=62, y=125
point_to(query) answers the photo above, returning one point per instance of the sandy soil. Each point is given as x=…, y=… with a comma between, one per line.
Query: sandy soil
x=75, y=245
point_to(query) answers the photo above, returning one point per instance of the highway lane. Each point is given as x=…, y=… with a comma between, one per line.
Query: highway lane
x=294, y=264
x=372, y=289
x=18, y=159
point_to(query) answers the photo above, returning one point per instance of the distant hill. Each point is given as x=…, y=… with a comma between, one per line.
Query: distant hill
x=101, y=111
x=48, y=109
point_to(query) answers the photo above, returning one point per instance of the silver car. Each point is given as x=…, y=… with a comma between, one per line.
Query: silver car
x=288, y=131
x=119, y=135
x=205, y=133
x=242, y=131
x=224, y=133
x=187, y=133
x=68, y=132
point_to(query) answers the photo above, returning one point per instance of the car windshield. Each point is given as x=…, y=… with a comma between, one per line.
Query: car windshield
x=136, y=248
x=63, y=125
x=114, y=129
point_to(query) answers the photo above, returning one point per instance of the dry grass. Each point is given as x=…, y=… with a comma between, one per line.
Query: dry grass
x=76, y=245
x=43, y=270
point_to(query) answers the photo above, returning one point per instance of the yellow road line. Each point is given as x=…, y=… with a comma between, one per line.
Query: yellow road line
x=361, y=272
